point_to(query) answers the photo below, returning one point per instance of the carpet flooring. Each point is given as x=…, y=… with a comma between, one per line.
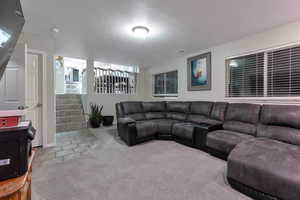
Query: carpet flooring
x=156, y=170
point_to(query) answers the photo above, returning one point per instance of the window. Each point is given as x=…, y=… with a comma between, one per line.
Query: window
x=284, y=72
x=273, y=73
x=165, y=84
x=75, y=75
x=246, y=76
x=69, y=75
x=114, y=79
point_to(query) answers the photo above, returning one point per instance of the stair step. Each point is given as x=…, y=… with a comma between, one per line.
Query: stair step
x=68, y=106
x=68, y=101
x=70, y=96
x=69, y=113
x=68, y=119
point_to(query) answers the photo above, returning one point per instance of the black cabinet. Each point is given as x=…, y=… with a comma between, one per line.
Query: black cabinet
x=15, y=149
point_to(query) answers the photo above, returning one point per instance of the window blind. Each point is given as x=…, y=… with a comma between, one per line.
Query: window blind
x=284, y=72
x=165, y=84
x=245, y=76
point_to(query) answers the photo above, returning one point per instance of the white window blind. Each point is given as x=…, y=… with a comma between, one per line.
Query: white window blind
x=245, y=76
x=165, y=84
x=284, y=72
x=272, y=73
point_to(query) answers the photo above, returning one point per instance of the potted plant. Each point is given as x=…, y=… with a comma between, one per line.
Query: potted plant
x=95, y=116
x=108, y=120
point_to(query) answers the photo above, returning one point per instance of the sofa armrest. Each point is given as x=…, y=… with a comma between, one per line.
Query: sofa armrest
x=126, y=120
x=127, y=130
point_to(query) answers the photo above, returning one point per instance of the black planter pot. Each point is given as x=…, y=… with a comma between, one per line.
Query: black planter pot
x=108, y=120
x=95, y=123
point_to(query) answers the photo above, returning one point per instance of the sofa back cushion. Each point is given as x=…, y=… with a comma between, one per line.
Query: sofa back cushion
x=218, y=111
x=242, y=117
x=154, y=110
x=201, y=108
x=157, y=106
x=200, y=113
x=280, y=122
x=133, y=110
x=177, y=110
x=175, y=106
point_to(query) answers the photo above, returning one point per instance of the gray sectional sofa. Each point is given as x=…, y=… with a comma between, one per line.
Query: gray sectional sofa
x=260, y=142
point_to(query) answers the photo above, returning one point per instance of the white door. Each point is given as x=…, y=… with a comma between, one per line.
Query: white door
x=12, y=84
x=33, y=96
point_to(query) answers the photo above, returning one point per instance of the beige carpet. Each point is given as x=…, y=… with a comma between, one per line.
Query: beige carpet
x=157, y=170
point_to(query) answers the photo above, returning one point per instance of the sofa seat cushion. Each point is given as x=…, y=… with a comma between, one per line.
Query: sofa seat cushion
x=164, y=126
x=183, y=130
x=146, y=128
x=241, y=127
x=200, y=119
x=224, y=140
x=267, y=165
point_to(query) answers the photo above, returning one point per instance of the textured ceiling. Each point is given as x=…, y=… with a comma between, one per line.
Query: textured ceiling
x=102, y=29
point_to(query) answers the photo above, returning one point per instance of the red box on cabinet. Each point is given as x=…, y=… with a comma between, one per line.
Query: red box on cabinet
x=9, y=121
x=10, y=118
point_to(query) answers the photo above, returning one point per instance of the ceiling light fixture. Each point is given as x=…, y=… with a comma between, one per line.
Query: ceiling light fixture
x=55, y=30
x=140, y=31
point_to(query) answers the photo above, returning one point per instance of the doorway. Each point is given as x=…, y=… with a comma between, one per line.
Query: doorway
x=21, y=87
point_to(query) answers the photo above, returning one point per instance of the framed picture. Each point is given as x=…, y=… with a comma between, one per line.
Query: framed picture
x=199, y=72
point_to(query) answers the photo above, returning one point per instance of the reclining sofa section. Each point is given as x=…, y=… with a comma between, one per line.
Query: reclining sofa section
x=239, y=125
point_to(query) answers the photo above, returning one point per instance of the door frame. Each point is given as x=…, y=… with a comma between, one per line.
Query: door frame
x=44, y=129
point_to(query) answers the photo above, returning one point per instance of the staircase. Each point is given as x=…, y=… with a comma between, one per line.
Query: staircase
x=69, y=113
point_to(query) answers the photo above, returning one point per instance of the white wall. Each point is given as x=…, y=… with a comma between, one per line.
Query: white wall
x=46, y=44
x=278, y=36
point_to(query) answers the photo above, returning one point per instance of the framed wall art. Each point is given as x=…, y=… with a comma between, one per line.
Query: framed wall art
x=199, y=72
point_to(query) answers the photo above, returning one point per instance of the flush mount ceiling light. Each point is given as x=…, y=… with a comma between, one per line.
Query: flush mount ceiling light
x=140, y=31
x=55, y=30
